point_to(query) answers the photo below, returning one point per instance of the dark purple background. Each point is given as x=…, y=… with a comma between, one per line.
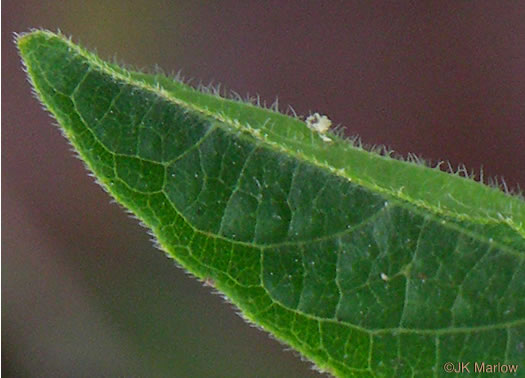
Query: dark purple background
x=84, y=292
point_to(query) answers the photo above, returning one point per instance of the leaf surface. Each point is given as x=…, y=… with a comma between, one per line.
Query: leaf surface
x=367, y=265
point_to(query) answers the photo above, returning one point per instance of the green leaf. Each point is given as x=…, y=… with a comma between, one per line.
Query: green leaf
x=367, y=265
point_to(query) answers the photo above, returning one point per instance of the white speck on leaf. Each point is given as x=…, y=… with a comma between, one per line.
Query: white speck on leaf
x=319, y=123
x=384, y=277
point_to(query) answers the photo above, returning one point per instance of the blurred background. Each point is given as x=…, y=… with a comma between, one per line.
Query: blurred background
x=84, y=292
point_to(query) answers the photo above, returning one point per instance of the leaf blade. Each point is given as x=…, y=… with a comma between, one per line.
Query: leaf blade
x=258, y=202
